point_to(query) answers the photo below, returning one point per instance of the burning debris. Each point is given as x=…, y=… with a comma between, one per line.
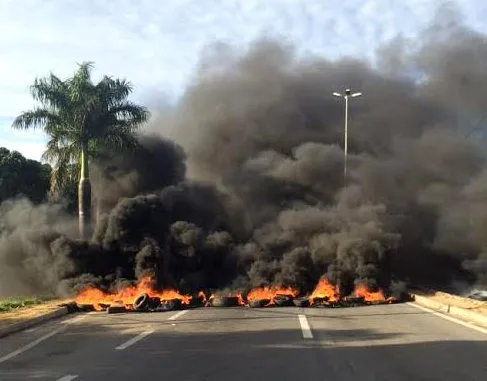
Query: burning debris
x=268, y=296
x=326, y=294
x=144, y=298
x=248, y=194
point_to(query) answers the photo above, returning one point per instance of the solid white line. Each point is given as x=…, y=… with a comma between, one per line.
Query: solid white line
x=179, y=314
x=134, y=340
x=452, y=319
x=31, y=345
x=69, y=377
x=40, y=339
x=307, y=334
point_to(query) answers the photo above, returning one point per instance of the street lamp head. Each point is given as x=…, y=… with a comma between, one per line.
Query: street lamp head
x=356, y=94
x=337, y=94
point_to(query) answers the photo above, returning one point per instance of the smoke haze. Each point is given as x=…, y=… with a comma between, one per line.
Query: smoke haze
x=249, y=191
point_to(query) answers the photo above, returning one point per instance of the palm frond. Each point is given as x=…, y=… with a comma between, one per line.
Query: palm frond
x=113, y=91
x=51, y=92
x=120, y=141
x=36, y=118
x=62, y=156
x=130, y=112
x=81, y=89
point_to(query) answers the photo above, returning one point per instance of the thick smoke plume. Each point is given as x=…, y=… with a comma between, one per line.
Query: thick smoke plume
x=250, y=190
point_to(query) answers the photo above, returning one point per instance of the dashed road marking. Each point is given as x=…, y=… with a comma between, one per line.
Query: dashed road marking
x=134, y=340
x=68, y=377
x=452, y=319
x=177, y=315
x=303, y=321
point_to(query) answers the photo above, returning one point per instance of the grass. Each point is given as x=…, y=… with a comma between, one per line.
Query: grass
x=9, y=305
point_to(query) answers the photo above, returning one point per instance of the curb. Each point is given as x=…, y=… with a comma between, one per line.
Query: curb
x=16, y=327
x=461, y=313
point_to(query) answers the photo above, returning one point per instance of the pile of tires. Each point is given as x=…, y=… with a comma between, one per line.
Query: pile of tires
x=224, y=301
x=259, y=303
x=145, y=303
x=301, y=302
x=283, y=300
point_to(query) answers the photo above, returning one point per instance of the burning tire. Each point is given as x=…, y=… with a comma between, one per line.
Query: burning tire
x=225, y=301
x=259, y=303
x=116, y=309
x=354, y=301
x=71, y=307
x=172, y=304
x=103, y=306
x=142, y=302
x=319, y=301
x=169, y=305
x=375, y=302
x=86, y=307
x=197, y=301
x=302, y=302
x=153, y=303
x=283, y=300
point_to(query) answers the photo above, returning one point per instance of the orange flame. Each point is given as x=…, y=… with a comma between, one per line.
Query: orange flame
x=361, y=291
x=369, y=296
x=241, y=301
x=202, y=296
x=324, y=289
x=270, y=293
x=127, y=295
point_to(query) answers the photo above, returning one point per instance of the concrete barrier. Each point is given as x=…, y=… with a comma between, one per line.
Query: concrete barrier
x=460, y=313
x=29, y=323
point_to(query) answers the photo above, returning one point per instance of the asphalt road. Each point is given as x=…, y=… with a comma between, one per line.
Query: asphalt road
x=393, y=343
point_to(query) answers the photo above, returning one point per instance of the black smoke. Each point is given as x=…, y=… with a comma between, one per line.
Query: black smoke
x=250, y=190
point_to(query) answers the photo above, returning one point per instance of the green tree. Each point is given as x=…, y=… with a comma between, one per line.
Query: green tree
x=81, y=119
x=22, y=177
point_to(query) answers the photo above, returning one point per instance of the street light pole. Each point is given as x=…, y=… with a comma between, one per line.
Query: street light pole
x=347, y=95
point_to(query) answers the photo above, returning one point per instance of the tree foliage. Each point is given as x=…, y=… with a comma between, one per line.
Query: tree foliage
x=20, y=176
x=80, y=116
x=82, y=119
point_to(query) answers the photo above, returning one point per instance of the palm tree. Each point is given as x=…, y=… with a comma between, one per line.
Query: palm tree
x=81, y=119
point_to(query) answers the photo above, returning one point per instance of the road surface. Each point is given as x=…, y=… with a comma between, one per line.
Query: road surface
x=390, y=343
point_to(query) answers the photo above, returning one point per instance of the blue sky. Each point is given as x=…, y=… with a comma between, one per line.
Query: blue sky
x=156, y=44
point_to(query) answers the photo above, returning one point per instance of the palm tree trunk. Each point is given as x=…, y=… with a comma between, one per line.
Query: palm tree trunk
x=84, y=196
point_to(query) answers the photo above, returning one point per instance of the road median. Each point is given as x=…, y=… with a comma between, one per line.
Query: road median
x=24, y=318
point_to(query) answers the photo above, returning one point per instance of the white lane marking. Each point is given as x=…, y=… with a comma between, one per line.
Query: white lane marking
x=303, y=321
x=40, y=339
x=134, y=340
x=31, y=345
x=452, y=319
x=69, y=377
x=177, y=315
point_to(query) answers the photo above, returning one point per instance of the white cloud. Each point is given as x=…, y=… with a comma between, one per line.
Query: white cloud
x=157, y=44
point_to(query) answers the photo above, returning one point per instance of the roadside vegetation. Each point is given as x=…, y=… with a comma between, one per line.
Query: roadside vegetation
x=9, y=305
